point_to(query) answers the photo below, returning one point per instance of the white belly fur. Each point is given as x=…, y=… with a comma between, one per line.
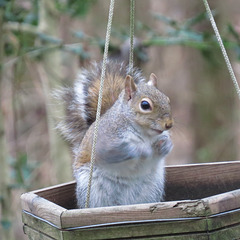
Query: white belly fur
x=141, y=182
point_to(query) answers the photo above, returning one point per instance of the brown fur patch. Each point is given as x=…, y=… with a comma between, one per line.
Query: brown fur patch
x=84, y=155
x=83, y=158
x=113, y=85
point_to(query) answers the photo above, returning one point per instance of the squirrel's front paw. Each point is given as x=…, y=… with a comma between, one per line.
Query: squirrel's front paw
x=163, y=145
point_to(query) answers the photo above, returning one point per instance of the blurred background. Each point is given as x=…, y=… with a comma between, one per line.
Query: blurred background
x=44, y=43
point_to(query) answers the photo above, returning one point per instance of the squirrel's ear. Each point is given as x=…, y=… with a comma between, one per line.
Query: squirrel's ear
x=152, y=80
x=130, y=87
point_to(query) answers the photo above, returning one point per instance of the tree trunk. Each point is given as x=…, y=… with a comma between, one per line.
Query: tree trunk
x=5, y=191
x=214, y=103
x=51, y=79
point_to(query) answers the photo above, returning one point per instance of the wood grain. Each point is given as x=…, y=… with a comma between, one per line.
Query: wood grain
x=42, y=208
x=223, y=202
x=158, y=230
x=165, y=210
x=62, y=194
x=35, y=235
x=41, y=226
x=227, y=219
x=183, y=182
x=205, y=202
x=141, y=230
x=197, y=181
x=232, y=233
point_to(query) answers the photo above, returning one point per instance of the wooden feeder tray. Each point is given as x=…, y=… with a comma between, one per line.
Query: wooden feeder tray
x=202, y=202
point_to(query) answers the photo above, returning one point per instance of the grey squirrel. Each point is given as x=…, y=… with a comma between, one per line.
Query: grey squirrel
x=133, y=137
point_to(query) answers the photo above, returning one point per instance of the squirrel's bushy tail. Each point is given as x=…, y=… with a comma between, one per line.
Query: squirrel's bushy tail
x=81, y=100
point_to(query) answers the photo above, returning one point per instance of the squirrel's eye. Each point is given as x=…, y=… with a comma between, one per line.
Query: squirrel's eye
x=145, y=105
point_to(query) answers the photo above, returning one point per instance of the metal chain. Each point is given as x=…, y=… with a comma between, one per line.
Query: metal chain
x=226, y=58
x=104, y=64
x=131, y=52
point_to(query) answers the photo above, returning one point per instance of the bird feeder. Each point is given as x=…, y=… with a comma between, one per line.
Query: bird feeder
x=202, y=202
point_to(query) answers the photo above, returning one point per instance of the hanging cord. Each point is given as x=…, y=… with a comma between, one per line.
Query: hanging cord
x=131, y=52
x=226, y=58
x=104, y=64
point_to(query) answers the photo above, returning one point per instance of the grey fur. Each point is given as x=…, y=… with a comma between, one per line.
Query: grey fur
x=129, y=165
x=79, y=116
x=110, y=190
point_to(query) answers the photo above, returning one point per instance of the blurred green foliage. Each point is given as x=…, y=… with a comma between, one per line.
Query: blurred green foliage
x=17, y=13
x=186, y=33
x=21, y=21
x=176, y=33
x=74, y=8
x=22, y=38
x=22, y=171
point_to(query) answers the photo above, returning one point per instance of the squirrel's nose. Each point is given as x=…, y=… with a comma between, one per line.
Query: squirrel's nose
x=169, y=124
